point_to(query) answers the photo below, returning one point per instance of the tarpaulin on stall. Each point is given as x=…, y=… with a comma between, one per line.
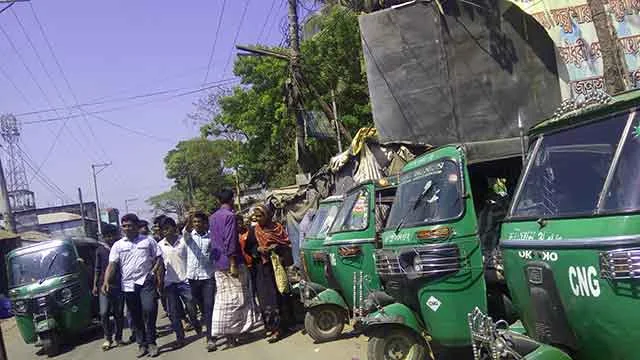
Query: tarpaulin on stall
x=464, y=75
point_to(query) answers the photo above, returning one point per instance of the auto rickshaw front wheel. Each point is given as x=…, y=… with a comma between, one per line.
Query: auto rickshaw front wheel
x=50, y=341
x=396, y=343
x=325, y=322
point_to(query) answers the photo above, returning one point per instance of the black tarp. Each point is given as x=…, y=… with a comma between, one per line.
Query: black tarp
x=459, y=77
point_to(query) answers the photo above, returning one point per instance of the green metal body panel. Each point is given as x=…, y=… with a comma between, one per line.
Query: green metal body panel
x=344, y=268
x=328, y=297
x=601, y=313
x=611, y=330
x=547, y=352
x=395, y=314
x=314, y=269
x=518, y=328
x=68, y=318
x=458, y=294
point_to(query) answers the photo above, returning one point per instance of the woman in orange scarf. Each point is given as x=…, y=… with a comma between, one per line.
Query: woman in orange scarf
x=267, y=237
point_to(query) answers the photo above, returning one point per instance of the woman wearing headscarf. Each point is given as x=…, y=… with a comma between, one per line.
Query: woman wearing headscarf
x=268, y=237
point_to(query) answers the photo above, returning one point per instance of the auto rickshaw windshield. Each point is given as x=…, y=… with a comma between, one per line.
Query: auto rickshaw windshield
x=354, y=212
x=569, y=170
x=426, y=195
x=323, y=219
x=38, y=265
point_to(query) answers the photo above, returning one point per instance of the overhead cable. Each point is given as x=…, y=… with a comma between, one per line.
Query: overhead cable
x=215, y=42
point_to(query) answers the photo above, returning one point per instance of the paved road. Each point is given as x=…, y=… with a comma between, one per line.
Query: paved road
x=297, y=346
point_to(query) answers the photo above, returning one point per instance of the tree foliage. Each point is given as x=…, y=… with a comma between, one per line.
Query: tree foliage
x=173, y=201
x=255, y=117
x=198, y=169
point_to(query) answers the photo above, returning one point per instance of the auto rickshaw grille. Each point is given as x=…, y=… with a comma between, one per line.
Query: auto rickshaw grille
x=620, y=264
x=427, y=261
x=387, y=263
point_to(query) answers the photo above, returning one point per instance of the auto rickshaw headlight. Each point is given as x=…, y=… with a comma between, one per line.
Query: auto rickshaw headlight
x=20, y=307
x=417, y=264
x=65, y=295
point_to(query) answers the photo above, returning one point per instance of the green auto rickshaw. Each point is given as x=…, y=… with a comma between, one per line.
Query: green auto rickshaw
x=312, y=254
x=439, y=258
x=49, y=288
x=571, y=239
x=348, y=256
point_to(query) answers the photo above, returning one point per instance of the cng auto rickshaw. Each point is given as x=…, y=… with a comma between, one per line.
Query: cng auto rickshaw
x=571, y=239
x=348, y=260
x=439, y=259
x=49, y=288
x=312, y=251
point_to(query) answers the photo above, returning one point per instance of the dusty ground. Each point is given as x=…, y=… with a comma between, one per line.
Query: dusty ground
x=297, y=346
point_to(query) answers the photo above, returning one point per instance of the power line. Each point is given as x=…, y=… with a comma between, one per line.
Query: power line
x=149, y=136
x=207, y=86
x=266, y=20
x=59, y=118
x=7, y=7
x=55, y=87
x=235, y=38
x=58, y=92
x=215, y=41
x=64, y=75
x=42, y=178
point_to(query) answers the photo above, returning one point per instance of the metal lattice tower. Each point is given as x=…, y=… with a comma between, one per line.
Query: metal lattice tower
x=20, y=197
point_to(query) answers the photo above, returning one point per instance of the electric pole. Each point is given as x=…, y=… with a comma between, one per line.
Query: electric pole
x=295, y=98
x=84, y=220
x=7, y=214
x=126, y=204
x=95, y=186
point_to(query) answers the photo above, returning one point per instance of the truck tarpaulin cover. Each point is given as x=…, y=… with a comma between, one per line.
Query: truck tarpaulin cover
x=461, y=76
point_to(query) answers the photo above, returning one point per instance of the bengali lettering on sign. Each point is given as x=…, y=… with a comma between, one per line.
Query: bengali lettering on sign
x=569, y=24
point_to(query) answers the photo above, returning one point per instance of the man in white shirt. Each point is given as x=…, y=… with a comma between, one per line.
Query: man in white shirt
x=200, y=268
x=176, y=289
x=137, y=256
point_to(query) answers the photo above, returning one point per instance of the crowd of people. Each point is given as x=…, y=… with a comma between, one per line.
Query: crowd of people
x=219, y=272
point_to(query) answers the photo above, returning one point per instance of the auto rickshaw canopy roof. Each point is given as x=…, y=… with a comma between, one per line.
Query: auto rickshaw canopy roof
x=588, y=113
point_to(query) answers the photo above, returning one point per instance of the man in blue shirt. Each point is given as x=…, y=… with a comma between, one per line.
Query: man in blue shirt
x=200, y=268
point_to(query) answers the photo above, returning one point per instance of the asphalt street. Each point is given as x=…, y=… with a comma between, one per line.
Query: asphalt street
x=296, y=346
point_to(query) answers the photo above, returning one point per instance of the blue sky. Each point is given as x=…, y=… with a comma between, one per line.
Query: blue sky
x=116, y=49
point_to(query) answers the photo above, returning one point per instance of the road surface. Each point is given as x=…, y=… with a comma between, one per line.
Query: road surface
x=297, y=346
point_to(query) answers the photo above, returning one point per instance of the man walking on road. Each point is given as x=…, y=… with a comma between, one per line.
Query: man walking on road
x=200, y=268
x=111, y=303
x=234, y=311
x=176, y=289
x=138, y=257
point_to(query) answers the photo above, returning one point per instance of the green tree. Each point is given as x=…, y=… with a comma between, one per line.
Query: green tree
x=173, y=201
x=255, y=117
x=198, y=168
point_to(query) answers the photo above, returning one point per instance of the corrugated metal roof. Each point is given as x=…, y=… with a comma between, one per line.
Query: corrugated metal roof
x=44, y=219
x=7, y=235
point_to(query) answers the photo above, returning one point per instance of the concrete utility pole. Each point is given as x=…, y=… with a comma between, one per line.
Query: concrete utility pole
x=294, y=93
x=7, y=214
x=84, y=220
x=126, y=204
x=95, y=186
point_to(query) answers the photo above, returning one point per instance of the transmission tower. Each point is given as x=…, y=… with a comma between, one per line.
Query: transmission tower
x=20, y=197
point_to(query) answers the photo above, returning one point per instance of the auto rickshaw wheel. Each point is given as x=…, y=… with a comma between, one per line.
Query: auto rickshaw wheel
x=395, y=343
x=324, y=323
x=50, y=343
